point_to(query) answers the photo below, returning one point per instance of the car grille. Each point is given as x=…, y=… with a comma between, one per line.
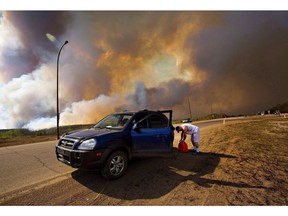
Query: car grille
x=67, y=143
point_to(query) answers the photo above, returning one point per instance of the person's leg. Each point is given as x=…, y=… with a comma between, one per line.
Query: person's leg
x=196, y=147
x=196, y=139
x=193, y=143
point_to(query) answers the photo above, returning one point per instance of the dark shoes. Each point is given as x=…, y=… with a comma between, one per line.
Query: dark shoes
x=195, y=153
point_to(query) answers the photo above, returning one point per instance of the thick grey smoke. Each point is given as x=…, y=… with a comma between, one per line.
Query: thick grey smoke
x=245, y=58
x=229, y=62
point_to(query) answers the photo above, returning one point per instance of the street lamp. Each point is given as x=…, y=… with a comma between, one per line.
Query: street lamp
x=58, y=116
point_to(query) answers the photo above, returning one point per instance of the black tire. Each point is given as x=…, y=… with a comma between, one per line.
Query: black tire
x=115, y=165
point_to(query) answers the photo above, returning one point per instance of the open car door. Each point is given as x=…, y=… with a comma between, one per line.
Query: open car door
x=154, y=133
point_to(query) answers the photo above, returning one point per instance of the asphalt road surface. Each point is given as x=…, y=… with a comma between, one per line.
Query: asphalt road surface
x=25, y=165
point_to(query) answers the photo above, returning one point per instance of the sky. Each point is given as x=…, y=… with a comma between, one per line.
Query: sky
x=232, y=62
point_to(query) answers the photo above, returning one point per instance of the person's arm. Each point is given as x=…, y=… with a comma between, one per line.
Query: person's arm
x=183, y=134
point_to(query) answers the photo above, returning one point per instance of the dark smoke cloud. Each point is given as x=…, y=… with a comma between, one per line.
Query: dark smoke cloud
x=245, y=60
x=31, y=28
x=18, y=63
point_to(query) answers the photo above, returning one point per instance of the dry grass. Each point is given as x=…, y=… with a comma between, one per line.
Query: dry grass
x=261, y=152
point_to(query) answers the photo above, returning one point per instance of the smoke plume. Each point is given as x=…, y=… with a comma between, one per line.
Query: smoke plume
x=228, y=62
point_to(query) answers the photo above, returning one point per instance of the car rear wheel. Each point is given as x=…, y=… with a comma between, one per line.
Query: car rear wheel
x=115, y=166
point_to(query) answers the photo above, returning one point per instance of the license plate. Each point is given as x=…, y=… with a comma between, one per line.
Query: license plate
x=62, y=151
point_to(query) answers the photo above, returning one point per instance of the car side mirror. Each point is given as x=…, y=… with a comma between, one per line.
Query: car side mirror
x=136, y=128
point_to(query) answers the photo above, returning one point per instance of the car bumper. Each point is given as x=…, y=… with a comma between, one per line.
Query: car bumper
x=91, y=160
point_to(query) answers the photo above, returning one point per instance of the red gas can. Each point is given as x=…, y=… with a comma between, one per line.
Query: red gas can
x=182, y=146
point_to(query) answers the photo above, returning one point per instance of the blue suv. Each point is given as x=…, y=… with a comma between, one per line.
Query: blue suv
x=116, y=139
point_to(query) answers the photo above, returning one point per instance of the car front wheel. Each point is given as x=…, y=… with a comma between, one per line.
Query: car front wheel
x=115, y=166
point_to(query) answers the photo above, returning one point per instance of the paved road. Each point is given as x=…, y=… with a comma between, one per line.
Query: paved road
x=24, y=165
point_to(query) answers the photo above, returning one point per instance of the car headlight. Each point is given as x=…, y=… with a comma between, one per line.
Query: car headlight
x=87, y=144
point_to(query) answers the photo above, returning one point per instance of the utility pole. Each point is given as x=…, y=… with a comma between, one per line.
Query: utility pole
x=189, y=108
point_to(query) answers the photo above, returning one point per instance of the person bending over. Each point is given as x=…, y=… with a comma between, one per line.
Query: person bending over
x=192, y=130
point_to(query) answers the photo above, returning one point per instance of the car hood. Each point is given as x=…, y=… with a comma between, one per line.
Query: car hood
x=89, y=133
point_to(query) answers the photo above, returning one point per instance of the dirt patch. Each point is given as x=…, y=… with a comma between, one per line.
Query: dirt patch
x=240, y=164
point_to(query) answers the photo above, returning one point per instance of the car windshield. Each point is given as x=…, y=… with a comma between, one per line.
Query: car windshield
x=114, y=121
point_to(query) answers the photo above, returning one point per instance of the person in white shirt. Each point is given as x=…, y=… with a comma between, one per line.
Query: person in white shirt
x=192, y=130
